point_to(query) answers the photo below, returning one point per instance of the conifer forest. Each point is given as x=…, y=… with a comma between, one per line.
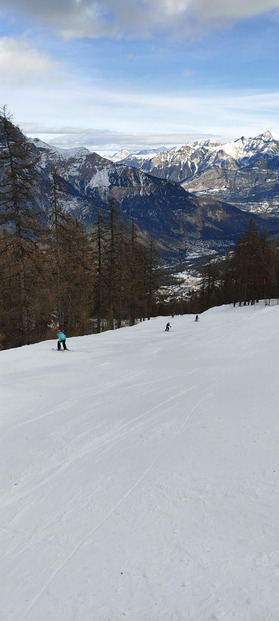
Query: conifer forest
x=54, y=273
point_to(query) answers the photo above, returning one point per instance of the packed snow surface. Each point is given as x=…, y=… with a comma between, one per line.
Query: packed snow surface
x=139, y=473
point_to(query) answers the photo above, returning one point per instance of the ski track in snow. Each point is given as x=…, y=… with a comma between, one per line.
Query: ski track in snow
x=126, y=495
x=152, y=451
x=113, y=437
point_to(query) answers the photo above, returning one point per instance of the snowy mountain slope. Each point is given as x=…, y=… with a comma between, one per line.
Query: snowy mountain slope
x=238, y=150
x=139, y=473
x=55, y=153
x=243, y=172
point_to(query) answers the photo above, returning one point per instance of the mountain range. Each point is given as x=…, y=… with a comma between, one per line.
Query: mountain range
x=183, y=224
x=243, y=172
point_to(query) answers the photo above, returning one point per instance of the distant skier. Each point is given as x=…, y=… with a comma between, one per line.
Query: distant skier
x=172, y=313
x=61, y=339
x=197, y=318
x=168, y=326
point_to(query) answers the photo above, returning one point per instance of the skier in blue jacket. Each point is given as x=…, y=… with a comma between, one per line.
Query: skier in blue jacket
x=61, y=339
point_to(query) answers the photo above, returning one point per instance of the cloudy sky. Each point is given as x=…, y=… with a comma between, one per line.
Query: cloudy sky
x=129, y=74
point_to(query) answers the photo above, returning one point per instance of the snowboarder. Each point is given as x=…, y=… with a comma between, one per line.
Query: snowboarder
x=168, y=326
x=61, y=339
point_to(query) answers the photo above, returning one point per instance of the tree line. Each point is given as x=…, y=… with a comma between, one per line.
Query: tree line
x=52, y=272
x=249, y=273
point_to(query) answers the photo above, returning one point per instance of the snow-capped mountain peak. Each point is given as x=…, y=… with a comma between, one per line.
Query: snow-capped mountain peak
x=58, y=151
x=237, y=171
x=237, y=149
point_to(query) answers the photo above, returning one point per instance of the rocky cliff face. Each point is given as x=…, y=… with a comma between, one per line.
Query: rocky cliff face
x=244, y=172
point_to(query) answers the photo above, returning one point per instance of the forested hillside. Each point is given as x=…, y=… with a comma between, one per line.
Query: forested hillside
x=51, y=272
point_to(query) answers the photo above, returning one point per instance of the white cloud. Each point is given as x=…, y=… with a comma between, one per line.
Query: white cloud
x=236, y=8
x=114, y=18
x=106, y=140
x=135, y=121
x=21, y=64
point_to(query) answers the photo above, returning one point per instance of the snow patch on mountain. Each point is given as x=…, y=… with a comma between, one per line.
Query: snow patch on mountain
x=100, y=179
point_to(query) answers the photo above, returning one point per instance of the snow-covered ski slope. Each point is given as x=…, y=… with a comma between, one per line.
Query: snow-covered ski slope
x=139, y=473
